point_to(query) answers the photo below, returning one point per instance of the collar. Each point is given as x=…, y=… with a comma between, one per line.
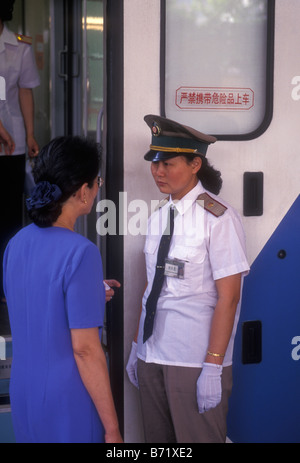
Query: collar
x=183, y=204
x=7, y=37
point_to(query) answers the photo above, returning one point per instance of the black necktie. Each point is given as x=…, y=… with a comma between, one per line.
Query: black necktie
x=158, y=280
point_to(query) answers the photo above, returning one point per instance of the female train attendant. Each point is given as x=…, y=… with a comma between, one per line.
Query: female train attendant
x=195, y=260
x=60, y=390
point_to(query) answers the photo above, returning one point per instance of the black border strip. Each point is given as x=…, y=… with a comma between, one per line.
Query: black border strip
x=269, y=74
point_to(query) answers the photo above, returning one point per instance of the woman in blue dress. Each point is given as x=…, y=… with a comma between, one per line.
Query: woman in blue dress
x=53, y=280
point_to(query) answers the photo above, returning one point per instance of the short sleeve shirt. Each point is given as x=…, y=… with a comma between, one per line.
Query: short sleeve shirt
x=18, y=68
x=210, y=248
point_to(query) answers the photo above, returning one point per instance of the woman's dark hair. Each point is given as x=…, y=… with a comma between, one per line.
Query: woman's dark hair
x=6, y=10
x=210, y=177
x=67, y=162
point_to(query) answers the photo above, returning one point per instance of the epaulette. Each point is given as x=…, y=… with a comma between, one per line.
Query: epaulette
x=161, y=204
x=24, y=39
x=211, y=205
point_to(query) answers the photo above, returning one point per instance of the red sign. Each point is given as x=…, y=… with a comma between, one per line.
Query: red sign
x=216, y=98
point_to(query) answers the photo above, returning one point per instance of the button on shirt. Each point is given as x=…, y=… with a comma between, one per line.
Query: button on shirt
x=18, y=68
x=211, y=248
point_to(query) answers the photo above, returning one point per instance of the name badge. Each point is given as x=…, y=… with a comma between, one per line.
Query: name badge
x=174, y=268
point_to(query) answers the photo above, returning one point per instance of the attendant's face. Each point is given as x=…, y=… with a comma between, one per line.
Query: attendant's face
x=176, y=176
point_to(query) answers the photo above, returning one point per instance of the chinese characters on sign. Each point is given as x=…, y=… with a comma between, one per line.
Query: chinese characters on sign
x=240, y=99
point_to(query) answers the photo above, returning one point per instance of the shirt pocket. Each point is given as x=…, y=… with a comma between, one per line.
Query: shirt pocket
x=194, y=260
x=150, y=250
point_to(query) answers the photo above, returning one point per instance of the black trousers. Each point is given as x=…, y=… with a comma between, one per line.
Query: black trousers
x=12, y=177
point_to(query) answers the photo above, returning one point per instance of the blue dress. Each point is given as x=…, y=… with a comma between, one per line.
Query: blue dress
x=53, y=282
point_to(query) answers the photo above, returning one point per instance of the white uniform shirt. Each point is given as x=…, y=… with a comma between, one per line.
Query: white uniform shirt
x=212, y=248
x=18, y=67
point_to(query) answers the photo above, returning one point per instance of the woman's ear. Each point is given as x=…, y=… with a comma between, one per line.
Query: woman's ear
x=196, y=164
x=81, y=193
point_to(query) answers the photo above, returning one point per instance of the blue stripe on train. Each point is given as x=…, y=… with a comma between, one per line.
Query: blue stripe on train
x=265, y=402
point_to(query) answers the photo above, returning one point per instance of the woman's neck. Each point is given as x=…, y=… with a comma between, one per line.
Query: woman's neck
x=61, y=224
x=65, y=221
x=69, y=214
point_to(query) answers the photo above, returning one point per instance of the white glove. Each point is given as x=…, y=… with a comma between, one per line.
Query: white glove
x=131, y=366
x=209, y=388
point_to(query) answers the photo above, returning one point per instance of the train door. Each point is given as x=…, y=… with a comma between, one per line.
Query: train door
x=25, y=22
x=87, y=99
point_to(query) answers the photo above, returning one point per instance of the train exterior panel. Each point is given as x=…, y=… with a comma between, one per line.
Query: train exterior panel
x=272, y=237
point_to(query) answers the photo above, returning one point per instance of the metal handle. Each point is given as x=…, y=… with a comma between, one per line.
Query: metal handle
x=61, y=54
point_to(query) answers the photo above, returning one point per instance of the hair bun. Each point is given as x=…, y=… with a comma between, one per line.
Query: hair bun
x=43, y=193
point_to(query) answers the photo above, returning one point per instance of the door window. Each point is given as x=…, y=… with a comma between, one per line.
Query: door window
x=217, y=65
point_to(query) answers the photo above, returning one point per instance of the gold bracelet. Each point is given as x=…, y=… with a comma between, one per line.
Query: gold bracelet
x=215, y=355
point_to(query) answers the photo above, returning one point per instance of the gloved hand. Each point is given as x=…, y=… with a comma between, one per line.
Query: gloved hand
x=209, y=388
x=131, y=366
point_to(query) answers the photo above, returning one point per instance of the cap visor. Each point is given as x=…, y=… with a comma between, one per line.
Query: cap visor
x=159, y=155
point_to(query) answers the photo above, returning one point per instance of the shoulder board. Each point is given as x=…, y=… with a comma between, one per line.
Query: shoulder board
x=161, y=204
x=211, y=205
x=24, y=39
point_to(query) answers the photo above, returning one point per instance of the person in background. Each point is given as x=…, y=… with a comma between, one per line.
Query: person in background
x=181, y=357
x=53, y=281
x=19, y=71
x=6, y=141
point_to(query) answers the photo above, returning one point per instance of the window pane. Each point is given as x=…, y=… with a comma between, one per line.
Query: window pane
x=92, y=63
x=215, y=64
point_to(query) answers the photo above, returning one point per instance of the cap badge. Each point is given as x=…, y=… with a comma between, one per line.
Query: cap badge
x=156, y=130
